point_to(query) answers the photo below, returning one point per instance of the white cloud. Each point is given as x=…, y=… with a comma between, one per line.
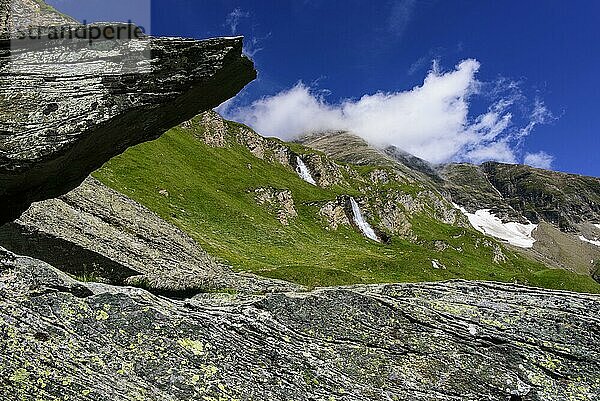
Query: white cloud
x=539, y=115
x=234, y=17
x=289, y=113
x=432, y=121
x=539, y=160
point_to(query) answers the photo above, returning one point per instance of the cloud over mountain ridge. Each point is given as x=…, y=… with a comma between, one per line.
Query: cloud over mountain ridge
x=433, y=121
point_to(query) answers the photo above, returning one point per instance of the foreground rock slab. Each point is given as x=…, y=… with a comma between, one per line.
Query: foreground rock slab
x=67, y=106
x=445, y=341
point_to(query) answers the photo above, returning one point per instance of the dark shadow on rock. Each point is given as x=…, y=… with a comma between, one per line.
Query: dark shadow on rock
x=64, y=255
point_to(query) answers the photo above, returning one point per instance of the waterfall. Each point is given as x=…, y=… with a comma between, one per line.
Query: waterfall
x=303, y=172
x=362, y=224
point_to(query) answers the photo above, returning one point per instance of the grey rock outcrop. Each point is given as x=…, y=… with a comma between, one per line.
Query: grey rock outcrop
x=562, y=199
x=441, y=341
x=523, y=193
x=22, y=14
x=324, y=171
x=98, y=234
x=269, y=149
x=335, y=213
x=67, y=106
x=471, y=189
x=279, y=202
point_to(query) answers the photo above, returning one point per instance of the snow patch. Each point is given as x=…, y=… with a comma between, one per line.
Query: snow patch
x=360, y=221
x=437, y=265
x=516, y=234
x=303, y=171
x=593, y=242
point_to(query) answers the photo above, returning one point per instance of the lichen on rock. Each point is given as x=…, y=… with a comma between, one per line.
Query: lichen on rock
x=431, y=341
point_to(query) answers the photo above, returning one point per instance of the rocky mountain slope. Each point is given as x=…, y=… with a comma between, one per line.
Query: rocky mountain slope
x=243, y=198
x=518, y=191
x=97, y=234
x=564, y=207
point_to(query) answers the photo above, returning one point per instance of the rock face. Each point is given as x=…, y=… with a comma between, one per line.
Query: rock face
x=335, y=213
x=564, y=200
x=97, y=234
x=470, y=187
x=70, y=105
x=444, y=341
x=279, y=202
x=21, y=14
x=522, y=193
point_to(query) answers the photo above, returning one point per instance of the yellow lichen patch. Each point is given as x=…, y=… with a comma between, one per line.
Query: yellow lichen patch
x=494, y=323
x=20, y=375
x=101, y=315
x=126, y=367
x=550, y=363
x=209, y=370
x=196, y=347
x=41, y=383
x=456, y=309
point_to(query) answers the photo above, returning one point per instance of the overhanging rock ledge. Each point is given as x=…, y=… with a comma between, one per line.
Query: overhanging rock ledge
x=67, y=106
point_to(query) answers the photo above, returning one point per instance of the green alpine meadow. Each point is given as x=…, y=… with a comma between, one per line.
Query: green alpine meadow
x=210, y=193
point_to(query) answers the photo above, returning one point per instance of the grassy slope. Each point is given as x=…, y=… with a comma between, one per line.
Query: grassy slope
x=209, y=199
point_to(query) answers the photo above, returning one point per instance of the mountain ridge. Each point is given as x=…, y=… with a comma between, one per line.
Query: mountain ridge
x=409, y=211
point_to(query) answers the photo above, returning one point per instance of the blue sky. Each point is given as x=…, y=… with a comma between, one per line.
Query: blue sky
x=504, y=80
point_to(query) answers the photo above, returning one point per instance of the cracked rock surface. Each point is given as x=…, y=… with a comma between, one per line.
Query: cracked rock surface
x=438, y=341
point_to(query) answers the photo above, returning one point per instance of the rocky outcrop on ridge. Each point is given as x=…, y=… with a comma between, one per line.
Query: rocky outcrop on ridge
x=470, y=188
x=438, y=341
x=523, y=193
x=279, y=202
x=98, y=234
x=67, y=105
x=22, y=14
x=562, y=199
